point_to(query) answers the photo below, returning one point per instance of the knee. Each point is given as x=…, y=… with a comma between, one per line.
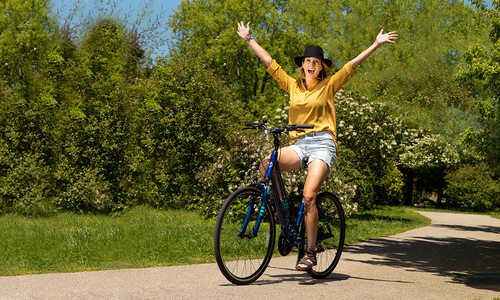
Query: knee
x=309, y=198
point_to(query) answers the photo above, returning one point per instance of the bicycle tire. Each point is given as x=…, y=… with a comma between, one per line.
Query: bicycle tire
x=331, y=236
x=242, y=260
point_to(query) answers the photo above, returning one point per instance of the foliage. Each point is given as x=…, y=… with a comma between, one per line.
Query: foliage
x=369, y=129
x=90, y=124
x=205, y=31
x=479, y=71
x=429, y=154
x=413, y=77
x=236, y=165
x=430, y=158
x=90, y=131
x=374, y=140
x=92, y=165
x=28, y=104
x=185, y=118
x=473, y=187
x=389, y=188
x=433, y=35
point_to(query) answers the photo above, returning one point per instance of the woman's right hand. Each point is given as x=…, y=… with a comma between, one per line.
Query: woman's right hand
x=244, y=31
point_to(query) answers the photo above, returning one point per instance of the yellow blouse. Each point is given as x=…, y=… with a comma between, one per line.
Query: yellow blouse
x=315, y=106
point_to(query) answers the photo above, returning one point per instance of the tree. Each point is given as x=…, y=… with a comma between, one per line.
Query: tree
x=205, y=31
x=28, y=47
x=95, y=131
x=479, y=71
x=184, y=118
x=431, y=158
x=473, y=187
x=433, y=35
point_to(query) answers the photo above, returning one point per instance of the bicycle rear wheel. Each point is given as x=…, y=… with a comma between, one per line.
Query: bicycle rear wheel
x=242, y=257
x=331, y=235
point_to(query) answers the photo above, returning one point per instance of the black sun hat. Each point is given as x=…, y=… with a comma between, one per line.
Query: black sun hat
x=313, y=51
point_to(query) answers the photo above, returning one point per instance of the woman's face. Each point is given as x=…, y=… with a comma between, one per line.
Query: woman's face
x=312, y=67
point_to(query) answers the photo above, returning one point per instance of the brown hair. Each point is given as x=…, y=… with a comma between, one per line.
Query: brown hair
x=322, y=74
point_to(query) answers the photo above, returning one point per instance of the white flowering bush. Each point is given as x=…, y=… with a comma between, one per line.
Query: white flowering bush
x=430, y=153
x=370, y=141
x=371, y=131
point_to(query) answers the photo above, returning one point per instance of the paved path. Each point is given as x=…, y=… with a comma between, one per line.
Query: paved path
x=457, y=257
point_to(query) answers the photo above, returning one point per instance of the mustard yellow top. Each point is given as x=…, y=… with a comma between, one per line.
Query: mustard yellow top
x=313, y=106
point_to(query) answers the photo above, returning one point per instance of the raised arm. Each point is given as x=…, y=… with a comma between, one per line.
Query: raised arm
x=244, y=33
x=382, y=38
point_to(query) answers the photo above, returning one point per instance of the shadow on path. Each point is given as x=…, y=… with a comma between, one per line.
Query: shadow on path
x=475, y=263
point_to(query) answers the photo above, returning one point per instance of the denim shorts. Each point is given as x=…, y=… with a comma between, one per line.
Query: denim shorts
x=315, y=146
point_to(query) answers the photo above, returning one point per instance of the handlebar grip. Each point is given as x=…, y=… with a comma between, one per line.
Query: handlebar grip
x=304, y=126
x=252, y=124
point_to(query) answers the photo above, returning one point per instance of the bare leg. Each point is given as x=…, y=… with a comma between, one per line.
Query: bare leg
x=288, y=160
x=317, y=173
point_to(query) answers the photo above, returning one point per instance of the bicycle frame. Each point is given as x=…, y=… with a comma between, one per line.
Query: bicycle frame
x=274, y=180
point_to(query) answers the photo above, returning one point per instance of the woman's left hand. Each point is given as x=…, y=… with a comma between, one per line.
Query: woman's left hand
x=382, y=37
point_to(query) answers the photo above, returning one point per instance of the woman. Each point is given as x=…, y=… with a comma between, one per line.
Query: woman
x=311, y=102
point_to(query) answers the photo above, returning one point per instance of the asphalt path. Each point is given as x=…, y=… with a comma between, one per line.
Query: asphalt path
x=456, y=257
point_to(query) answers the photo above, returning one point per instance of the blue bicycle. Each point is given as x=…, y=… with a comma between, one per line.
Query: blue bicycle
x=245, y=231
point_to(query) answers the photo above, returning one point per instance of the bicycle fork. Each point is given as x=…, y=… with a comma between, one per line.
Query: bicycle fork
x=250, y=210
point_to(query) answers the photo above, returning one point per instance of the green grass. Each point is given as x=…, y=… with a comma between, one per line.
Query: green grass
x=495, y=214
x=382, y=222
x=142, y=237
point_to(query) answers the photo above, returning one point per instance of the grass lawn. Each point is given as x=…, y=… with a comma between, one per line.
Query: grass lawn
x=143, y=237
x=495, y=214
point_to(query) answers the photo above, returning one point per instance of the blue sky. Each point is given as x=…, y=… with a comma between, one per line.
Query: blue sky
x=129, y=10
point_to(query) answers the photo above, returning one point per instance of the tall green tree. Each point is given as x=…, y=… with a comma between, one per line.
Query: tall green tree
x=96, y=134
x=28, y=48
x=206, y=31
x=185, y=116
x=480, y=72
x=433, y=35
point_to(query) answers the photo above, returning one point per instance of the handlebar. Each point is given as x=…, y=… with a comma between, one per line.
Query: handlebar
x=276, y=131
x=286, y=128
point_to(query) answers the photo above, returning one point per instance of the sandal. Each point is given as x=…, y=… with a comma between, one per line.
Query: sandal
x=307, y=262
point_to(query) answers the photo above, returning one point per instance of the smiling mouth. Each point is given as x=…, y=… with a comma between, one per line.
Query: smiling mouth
x=311, y=71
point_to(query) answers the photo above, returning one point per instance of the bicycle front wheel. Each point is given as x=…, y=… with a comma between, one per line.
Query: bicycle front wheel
x=331, y=235
x=242, y=253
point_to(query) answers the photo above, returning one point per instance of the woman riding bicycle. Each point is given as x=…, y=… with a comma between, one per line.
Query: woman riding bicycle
x=311, y=102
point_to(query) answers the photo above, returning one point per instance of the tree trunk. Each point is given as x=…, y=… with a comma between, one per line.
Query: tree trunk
x=408, y=177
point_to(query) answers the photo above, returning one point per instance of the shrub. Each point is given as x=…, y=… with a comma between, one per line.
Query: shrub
x=473, y=187
x=27, y=187
x=389, y=187
x=88, y=191
x=180, y=126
